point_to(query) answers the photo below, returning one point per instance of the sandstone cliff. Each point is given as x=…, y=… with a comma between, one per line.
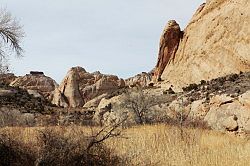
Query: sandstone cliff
x=80, y=86
x=169, y=43
x=215, y=43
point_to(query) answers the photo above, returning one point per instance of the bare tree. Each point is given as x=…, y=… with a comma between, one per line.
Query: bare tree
x=139, y=102
x=11, y=34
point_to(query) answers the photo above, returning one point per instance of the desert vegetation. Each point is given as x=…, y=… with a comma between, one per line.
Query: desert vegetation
x=56, y=146
x=141, y=145
x=139, y=103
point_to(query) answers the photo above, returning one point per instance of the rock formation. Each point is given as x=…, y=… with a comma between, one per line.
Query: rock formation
x=7, y=78
x=143, y=80
x=221, y=104
x=79, y=86
x=229, y=114
x=15, y=97
x=169, y=43
x=36, y=82
x=215, y=43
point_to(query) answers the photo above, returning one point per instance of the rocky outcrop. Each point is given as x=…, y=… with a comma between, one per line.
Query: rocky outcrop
x=36, y=82
x=228, y=114
x=215, y=43
x=169, y=43
x=7, y=78
x=17, y=98
x=222, y=104
x=94, y=102
x=80, y=86
x=142, y=80
x=69, y=88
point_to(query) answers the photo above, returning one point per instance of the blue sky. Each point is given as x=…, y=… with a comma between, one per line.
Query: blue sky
x=113, y=36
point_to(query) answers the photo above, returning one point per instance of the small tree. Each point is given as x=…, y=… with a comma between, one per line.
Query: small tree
x=11, y=34
x=139, y=102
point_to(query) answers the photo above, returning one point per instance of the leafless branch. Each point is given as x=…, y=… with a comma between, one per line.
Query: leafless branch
x=11, y=34
x=105, y=133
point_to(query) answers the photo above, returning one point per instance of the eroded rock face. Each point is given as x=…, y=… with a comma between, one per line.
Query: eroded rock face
x=80, y=86
x=142, y=80
x=169, y=43
x=215, y=43
x=40, y=83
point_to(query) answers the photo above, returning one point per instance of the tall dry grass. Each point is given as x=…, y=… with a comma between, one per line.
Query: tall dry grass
x=164, y=145
x=62, y=146
x=157, y=145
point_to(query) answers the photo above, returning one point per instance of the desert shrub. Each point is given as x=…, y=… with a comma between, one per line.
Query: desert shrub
x=139, y=103
x=203, y=82
x=99, y=155
x=197, y=123
x=190, y=87
x=233, y=77
x=13, y=117
x=169, y=91
x=14, y=153
x=53, y=147
x=75, y=149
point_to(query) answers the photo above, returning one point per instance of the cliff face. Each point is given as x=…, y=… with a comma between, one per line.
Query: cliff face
x=168, y=46
x=215, y=43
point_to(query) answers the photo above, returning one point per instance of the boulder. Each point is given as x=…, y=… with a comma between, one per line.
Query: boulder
x=80, y=86
x=198, y=110
x=219, y=100
x=230, y=123
x=215, y=43
x=228, y=115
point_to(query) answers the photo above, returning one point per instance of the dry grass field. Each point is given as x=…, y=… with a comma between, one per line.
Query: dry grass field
x=155, y=145
x=164, y=145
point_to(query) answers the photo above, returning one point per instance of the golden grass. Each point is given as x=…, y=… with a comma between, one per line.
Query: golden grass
x=163, y=145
